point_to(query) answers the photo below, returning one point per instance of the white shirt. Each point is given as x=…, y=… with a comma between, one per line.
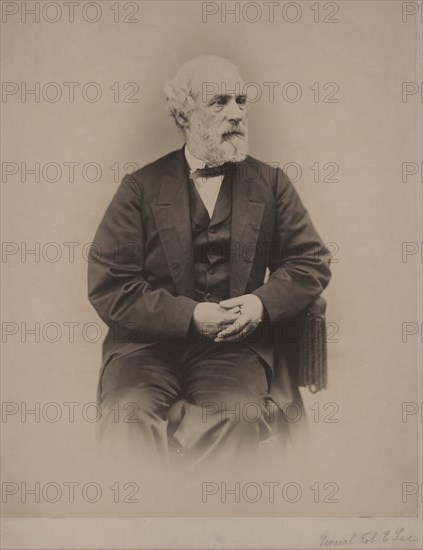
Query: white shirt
x=208, y=188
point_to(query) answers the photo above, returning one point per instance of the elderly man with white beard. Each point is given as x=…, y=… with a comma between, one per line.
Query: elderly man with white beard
x=178, y=274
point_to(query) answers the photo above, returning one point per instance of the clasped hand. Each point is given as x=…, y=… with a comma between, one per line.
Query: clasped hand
x=229, y=320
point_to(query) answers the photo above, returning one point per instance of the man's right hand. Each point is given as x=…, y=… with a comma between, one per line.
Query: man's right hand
x=209, y=318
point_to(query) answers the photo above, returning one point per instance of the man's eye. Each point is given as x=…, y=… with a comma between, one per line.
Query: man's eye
x=241, y=100
x=220, y=102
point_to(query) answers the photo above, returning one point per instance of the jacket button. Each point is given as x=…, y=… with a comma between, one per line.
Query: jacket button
x=212, y=229
x=208, y=295
x=210, y=270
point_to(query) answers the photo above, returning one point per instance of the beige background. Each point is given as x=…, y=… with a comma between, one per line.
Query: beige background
x=369, y=213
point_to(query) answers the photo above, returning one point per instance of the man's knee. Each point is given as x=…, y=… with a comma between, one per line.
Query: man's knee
x=131, y=404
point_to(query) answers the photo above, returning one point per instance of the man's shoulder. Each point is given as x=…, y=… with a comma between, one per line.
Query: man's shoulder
x=269, y=174
x=158, y=167
x=267, y=169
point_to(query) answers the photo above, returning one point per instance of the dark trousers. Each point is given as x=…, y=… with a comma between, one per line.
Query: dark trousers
x=225, y=412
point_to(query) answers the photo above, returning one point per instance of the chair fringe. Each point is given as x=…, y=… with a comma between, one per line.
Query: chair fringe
x=312, y=352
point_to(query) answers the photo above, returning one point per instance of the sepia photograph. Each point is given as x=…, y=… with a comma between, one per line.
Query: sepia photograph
x=211, y=274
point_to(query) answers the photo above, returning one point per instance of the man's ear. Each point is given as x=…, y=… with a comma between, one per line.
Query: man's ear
x=181, y=119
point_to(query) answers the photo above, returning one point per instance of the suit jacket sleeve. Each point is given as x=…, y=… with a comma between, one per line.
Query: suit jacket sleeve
x=116, y=284
x=298, y=260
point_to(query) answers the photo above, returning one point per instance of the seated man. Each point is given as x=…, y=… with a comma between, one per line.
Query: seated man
x=178, y=275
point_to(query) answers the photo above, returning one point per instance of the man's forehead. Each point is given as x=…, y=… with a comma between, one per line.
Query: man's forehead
x=222, y=79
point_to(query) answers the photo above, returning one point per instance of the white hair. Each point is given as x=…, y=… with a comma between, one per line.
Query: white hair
x=181, y=92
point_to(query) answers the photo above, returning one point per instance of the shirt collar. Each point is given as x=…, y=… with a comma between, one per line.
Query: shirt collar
x=193, y=162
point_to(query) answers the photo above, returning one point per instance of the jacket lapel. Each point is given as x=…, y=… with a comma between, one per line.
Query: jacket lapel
x=173, y=219
x=247, y=215
x=172, y=216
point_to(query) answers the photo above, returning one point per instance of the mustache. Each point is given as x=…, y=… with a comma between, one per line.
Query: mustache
x=237, y=131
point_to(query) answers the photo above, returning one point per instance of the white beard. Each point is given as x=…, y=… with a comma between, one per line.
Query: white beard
x=209, y=145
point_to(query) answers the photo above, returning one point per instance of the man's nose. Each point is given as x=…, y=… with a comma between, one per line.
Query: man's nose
x=234, y=112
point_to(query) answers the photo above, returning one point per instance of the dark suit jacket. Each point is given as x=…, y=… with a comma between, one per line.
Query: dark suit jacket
x=141, y=270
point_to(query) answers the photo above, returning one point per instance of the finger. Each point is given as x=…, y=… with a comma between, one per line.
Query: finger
x=210, y=331
x=231, y=302
x=234, y=328
x=223, y=325
x=229, y=319
x=236, y=336
x=233, y=308
x=238, y=327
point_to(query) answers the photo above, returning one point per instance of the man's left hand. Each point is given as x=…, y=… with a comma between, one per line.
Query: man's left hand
x=252, y=311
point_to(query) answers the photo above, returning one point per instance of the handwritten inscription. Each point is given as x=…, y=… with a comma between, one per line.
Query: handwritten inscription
x=367, y=537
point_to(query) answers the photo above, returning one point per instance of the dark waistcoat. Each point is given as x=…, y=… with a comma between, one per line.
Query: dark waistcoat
x=211, y=242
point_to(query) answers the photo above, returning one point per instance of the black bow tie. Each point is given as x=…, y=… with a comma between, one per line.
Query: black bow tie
x=211, y=171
